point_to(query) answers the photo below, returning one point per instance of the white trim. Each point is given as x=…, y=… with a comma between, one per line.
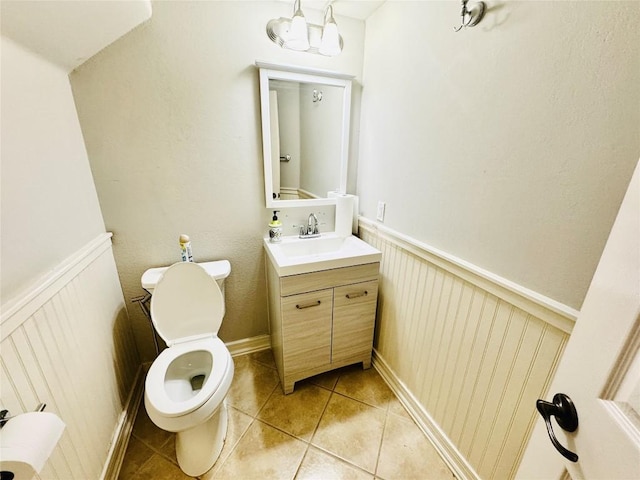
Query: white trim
x=124, y=429
x=551, y=311
x=445, y=447
x=21, y=308
x=304, y=70
x=249, y=345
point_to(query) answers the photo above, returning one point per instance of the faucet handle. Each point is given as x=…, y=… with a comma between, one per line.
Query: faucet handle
x=303, y=229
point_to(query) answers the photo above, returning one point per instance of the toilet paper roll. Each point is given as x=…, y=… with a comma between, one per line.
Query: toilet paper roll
x=26, y=442
x=344, y=215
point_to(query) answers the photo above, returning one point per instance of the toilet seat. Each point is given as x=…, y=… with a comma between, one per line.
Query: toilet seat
x=186, y=304
x=155, y=382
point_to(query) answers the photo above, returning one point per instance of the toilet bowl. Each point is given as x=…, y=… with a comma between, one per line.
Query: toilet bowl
x=186, y=386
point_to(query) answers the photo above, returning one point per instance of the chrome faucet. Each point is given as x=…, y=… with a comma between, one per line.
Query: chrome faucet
x=310, y=230
x=312, y=224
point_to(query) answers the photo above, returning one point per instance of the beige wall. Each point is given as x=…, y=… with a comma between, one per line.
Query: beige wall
x=171, y=119
x=64, y=333
x=49, y=207
x=509, y=145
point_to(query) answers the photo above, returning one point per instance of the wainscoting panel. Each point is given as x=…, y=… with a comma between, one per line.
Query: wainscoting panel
x=67, y=343
x=472, y=360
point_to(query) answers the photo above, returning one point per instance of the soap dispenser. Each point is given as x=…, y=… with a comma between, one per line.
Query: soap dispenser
x=275, y=228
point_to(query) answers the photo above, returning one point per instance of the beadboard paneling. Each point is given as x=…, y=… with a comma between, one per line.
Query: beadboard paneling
x=472, y=362
x=67, y=343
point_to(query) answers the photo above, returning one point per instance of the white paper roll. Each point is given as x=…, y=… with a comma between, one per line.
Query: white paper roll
x=26, y=442
x=344, y=215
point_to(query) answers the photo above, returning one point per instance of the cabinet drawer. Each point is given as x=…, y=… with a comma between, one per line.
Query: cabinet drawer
x=354, y=319
x=306, y=330
x=308, y=282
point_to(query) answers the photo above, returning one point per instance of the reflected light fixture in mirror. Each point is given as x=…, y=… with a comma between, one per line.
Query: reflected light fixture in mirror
x=296, y=34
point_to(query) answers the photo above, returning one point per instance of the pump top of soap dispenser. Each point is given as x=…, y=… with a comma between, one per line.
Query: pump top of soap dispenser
x=274, y=221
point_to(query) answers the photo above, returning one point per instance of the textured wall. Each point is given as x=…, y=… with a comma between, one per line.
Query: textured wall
x=49, y=202
x=171, y=119
x=510, y=144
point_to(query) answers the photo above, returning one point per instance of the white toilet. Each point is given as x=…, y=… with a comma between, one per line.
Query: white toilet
x=186, y=386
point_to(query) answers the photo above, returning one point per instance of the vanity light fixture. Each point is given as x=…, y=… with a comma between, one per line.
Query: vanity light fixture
x=296, y=34
x=470, y=17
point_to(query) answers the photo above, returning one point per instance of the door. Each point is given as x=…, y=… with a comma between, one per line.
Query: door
x=600, y=370
x=354, y=313
x=306, y=330
x=275, y=143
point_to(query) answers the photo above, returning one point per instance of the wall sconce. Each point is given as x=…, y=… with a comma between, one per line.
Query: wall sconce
x=296, y=34
x=470, y=17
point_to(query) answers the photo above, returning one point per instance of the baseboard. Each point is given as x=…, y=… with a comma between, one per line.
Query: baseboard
x=249, y=345
x=448, y=451
x=123, y=429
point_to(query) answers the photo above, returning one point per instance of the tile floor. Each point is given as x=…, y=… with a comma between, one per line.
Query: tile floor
x=345, y=424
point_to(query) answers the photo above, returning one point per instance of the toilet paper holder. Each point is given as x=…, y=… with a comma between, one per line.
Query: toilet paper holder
x=5, y=417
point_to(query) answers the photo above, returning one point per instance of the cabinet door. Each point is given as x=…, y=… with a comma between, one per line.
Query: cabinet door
x=306, y=330
x=353, y=320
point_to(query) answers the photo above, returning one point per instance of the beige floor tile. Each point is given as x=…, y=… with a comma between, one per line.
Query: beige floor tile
x=265, y=357
x=159, y=468
x=351, y=430
x=238, y=424
x=318, y=465
x=326, y=380
x=263, y=453
x=407, y=454
x=137, y=455
x=147, y=431
x=251, y=386
x=169, y=449
x=297, y=413
x=366, y=386
x=397, y=408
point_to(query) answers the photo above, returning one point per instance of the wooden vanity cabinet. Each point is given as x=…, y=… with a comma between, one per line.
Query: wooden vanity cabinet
x=321, y=320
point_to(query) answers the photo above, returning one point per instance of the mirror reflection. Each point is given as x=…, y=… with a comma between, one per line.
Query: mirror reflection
x=306, y=138
x=305, y=134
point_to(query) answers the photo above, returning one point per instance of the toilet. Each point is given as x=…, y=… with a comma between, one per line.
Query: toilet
x=186, y=386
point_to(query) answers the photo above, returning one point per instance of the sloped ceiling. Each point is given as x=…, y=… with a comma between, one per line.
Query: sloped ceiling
x=69, y=32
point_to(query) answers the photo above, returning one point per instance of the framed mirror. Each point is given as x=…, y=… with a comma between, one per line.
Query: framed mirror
x=305, y=134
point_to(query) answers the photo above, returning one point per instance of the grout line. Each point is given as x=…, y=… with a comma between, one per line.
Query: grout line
x=384, y=429
x=301, y=461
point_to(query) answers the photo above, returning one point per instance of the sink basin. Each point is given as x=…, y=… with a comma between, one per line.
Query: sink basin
x=295, y=255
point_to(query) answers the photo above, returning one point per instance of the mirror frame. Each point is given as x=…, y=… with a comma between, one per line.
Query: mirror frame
x=270, y=71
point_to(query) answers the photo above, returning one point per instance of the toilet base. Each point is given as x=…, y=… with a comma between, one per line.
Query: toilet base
x=198, y=448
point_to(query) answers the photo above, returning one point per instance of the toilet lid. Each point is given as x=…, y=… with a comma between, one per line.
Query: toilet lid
x=186, y=303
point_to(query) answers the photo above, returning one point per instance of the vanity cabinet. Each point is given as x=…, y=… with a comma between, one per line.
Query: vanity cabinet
x=321, y=320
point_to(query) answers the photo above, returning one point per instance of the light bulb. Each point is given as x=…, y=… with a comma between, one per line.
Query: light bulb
x=298, y=34
x=330, y=43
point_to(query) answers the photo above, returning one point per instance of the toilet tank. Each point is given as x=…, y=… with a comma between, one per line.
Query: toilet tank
x=218, y=270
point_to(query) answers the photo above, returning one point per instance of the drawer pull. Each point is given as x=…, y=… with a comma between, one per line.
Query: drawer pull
x=356, y=295
x=308, y=305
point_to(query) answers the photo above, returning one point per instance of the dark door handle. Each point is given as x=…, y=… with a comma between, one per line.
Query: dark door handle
x=567, y=417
